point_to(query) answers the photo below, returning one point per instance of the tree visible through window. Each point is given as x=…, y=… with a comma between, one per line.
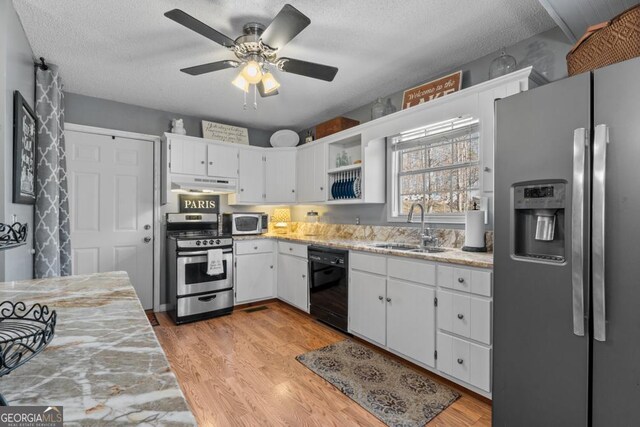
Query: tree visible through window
x=436, y=166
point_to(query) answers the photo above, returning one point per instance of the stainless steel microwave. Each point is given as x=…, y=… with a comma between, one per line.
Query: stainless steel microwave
x=245, y=223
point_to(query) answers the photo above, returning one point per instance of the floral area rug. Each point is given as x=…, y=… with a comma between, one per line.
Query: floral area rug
x=392, y=392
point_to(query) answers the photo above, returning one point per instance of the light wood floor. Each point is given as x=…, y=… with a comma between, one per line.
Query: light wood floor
x=241, y=370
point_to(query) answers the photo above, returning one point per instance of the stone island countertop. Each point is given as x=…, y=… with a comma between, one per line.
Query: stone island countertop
x=451, y=255
x=104, y=364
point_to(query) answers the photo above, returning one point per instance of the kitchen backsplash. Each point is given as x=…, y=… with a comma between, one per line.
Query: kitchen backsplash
x=450, y=238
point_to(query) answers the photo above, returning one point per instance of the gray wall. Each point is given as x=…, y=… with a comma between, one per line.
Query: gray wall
x=90, y=111
x=17, y=73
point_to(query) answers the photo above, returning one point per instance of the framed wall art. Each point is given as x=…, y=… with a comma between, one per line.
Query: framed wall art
x=24, y=151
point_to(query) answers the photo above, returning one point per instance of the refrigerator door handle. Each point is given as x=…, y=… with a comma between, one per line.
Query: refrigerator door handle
x=601, y=140
x=580, y=144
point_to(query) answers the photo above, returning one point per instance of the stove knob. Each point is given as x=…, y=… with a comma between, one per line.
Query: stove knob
x=218, y=242
x=197, y=242
x=211, y=242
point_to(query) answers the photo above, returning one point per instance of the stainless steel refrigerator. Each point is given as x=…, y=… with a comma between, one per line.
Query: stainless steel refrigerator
x=567, y=252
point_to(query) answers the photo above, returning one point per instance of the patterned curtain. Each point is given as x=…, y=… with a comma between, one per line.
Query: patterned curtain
x=52, y=243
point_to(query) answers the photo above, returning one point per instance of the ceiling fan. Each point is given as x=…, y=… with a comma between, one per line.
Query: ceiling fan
x=257, y=50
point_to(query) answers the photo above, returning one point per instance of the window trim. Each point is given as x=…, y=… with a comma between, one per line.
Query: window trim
x=392, y=187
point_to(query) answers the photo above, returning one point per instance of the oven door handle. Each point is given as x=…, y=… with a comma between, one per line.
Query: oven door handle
x=199, y=253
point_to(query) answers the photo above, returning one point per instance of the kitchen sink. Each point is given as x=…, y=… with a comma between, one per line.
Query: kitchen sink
x=429, y=250
x=407, y=247
x=395, y=246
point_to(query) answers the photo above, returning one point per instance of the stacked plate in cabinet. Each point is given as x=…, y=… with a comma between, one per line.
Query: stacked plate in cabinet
x=346, y=185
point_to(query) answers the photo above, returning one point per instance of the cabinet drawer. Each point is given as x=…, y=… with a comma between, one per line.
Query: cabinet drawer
x=376, y=264
x=260, y=246
x=413, y=271
x=465, y=361
x=465, y=315
x=295, y=249
x=465, y=279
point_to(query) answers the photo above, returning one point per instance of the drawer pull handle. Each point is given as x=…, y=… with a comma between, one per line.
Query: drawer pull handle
x=304, y=276
x=460, y=361
x=255, y=247
x=380, y=297
x=388, y=299
x=290, y=249
x=207, y=299
x=271, y=267
x=460, y=316
x=460, y=279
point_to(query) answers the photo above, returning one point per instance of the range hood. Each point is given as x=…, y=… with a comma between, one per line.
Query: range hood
x=204, y=185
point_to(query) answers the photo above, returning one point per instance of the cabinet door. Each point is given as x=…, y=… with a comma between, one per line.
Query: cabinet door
x=367, y=306
x=305, y=174
x=251, y=177
x=411, y=320
x=188, y=157
x=281, y=176
x=222, y=161
x=254, y=277
x=319, y=168
x=292, y=281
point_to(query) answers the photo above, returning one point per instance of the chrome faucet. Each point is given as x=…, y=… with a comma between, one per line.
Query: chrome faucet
x=427, y=239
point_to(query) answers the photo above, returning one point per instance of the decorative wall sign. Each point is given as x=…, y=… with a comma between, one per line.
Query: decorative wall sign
x=432, y=90
x=24, y=151
x=199, y=203
x=226, y=133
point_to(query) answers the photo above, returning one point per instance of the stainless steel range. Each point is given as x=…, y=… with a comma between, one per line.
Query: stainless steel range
x=194, y=293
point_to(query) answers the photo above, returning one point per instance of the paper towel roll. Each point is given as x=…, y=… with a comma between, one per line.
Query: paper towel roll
x=474, y=231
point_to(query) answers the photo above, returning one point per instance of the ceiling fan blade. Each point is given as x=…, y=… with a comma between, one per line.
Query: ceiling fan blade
x=287, y=24
x=210, y=67
x=308, y=69
x=199, y=27
x=262, y=93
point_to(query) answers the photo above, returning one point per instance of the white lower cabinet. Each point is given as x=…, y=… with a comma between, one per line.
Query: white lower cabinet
x=367, y=305
x=293, y=283
x=393, y=313
x=254, y=271
x=464, y=360
x=400, y=304
x=411, y=319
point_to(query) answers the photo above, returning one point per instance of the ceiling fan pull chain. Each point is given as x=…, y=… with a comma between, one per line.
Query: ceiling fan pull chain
x=255, y=97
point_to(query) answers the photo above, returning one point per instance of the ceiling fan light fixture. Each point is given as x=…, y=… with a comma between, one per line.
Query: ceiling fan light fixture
x=241, y=83
x=269, y=83
x=252, y=72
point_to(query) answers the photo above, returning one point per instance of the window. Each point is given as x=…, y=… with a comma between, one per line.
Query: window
x=438, y=166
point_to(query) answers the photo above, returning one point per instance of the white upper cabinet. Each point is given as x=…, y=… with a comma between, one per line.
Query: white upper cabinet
x=250, y=179
x=311, y=177
x=222, y=160
x=187, y=157
x=280, y=172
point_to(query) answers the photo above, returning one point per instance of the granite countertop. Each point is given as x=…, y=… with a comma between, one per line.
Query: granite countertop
x=104, y=364
x=451, y=256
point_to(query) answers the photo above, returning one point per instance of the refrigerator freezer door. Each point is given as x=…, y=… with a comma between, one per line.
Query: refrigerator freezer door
x=616, y=367
x=540, y=367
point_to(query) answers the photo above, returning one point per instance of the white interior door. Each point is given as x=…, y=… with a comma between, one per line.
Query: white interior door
x=111, y=203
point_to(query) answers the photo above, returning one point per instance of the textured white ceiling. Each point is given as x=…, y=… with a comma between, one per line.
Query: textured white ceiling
x=127, y=51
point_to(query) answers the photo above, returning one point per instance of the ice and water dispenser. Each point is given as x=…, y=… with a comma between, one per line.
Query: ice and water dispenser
x=539, y=211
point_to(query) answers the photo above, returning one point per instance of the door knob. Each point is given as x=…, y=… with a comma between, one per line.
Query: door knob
x=147, y=239
x=380, y=297
x=147, y=227
x=388, y=299
x=460, y=316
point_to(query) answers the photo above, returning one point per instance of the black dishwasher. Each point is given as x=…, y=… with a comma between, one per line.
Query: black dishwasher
x=329, y=285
